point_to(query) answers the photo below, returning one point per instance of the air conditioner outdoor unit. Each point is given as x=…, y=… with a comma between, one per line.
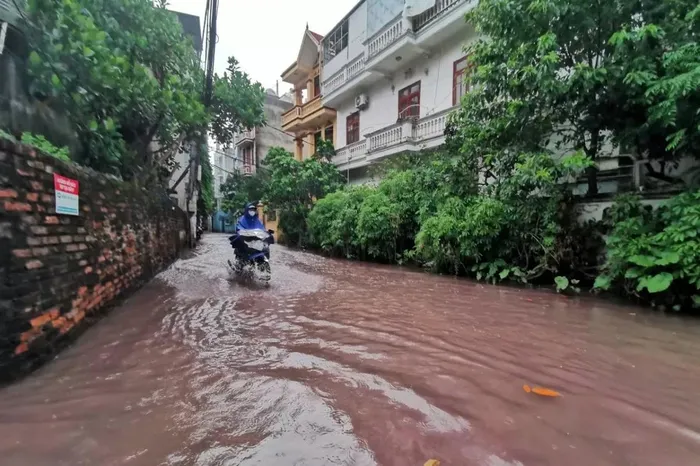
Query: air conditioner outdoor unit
x=361, y=101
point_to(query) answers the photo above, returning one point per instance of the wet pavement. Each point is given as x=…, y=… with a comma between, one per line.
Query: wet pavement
x=342, y=363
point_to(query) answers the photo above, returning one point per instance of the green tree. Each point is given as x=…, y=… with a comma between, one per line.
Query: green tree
x=240, y=189
x=556, y=74
x=295, y=186
x=130, y=83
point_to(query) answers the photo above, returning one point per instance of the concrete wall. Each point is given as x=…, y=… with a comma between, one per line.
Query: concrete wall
x=435, y=75
x=59, y=270
x=272, y=135
x=357, y=25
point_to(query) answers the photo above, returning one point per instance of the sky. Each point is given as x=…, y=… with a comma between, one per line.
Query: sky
x=265, y=35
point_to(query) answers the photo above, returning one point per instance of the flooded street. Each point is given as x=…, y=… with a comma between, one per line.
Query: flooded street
x=342, y=363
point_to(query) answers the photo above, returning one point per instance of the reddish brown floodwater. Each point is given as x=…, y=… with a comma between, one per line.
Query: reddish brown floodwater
x=341, y=363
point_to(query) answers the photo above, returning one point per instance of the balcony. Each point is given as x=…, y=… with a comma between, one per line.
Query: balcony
x=307, y=117
x=246, y=137
x=404, y=136
x=441, y=7
x=399, y=42
x=248, y=169
x=337, y=82
x=352, y=155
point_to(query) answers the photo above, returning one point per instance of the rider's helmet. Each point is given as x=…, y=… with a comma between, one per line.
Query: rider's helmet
x=251, y=209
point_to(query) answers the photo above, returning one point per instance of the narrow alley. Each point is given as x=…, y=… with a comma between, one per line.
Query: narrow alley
x=353, y=364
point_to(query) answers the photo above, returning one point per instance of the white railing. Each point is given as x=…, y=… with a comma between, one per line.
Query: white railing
x=355, y=151
x=430, y=127
x=385, y=138
x=348, y=72
x=385, y=38
x=441, y=7
x=335, y=82
x=356, y=67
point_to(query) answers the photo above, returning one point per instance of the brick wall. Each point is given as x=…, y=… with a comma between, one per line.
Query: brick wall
x=57, y=271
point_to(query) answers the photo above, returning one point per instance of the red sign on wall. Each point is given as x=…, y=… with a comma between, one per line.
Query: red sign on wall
x=67, y=195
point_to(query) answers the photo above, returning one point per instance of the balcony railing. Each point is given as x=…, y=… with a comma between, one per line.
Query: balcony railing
x=351, y=152
x=348, y=72
x=441, y=7
x=248, y=169
x=430, y=126
x=386, y=137
x=302, y=111
x=386, y=37
x=246, y=136
x=409, y=132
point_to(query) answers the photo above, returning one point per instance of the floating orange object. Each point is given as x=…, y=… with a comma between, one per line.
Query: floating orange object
x=541, y=391
x=432, y=463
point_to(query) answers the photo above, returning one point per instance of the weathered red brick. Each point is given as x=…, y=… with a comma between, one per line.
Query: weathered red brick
x=17, y=207
x=34, y=241
x=35, y=264
x=8, y=193
x=50, y=240
x=21, y=348
x=51, y=220
x=21, y=172
x=33, y=197
x=72, y=248
x=40, y=230
x=38, y=252
x=37, y=186
x=88, y=270
x=47, y=198
x=66, y=239
x=22, y=253
x=41, y=320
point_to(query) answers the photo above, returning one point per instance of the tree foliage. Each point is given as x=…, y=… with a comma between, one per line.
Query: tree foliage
x=295, y=186
x=656, y=254
x=563, y=76
x=130, y=83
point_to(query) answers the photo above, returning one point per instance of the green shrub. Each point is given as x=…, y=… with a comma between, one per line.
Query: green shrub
x=332, y=222
x=378, y=227
x=656, y=255
x=41, y=143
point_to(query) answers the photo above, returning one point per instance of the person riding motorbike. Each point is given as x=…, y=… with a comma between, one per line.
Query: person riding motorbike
x=250, y=220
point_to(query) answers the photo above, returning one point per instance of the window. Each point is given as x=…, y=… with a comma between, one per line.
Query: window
x=336, y=41
x=329, y=134
x=248, y=156
x=409, y=101
x=317, y=86
x=460, y=86
x=353, y=128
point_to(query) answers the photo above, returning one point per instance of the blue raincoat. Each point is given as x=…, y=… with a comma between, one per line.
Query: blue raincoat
x=246, y=222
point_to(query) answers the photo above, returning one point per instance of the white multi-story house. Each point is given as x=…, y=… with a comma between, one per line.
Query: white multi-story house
x=393, y=74
x=250, y=147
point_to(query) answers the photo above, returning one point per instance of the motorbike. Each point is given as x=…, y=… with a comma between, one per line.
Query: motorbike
x=252, y=252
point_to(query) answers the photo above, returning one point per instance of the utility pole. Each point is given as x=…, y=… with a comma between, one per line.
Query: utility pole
x=212, y=10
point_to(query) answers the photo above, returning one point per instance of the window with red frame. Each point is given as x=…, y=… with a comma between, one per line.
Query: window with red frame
x=409, y=101
x=353, y=128
x=248, y=156
x=460, y=86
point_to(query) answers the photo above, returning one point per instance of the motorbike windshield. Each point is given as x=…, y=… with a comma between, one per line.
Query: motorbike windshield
x=257, y=234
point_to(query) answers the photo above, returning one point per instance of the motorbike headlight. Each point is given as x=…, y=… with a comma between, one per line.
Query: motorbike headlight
x=256, y=245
